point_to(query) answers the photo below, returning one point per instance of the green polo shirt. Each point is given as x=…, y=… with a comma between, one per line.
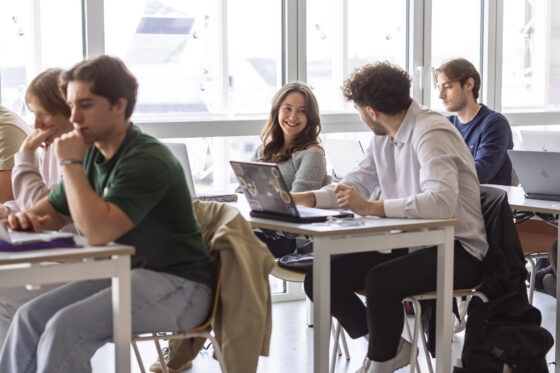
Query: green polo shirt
x=147, y=183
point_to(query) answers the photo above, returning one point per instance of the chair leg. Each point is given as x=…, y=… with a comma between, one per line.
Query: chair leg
x=532, y=278
x=336, y=348
x=334, y=330
x=162, y=361
x=344, y=345
x=218, y=353
x=417, y=330
x=138, y=358
x=419, y=333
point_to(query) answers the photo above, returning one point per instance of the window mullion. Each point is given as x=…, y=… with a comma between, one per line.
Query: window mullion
x=340, y=58
x=419, y=57
x=37, y=42
x=223, y=60
x=492, y=39
x=93, y=33
x=293, y=38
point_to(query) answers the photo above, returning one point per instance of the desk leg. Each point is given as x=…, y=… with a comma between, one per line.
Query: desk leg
x=556, y=342
x=444, y=304
x=322, y=303
x=122, y=324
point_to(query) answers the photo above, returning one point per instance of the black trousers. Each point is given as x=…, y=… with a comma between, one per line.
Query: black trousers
x=388, y=279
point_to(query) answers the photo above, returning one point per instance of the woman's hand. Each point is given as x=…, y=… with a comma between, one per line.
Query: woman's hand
x=37, y=138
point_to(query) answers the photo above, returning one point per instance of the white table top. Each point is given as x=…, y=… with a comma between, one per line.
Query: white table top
x=365, y=224
x=517, y=200
x=64, y=254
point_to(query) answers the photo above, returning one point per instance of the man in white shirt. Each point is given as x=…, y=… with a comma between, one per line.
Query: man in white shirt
x=416, y=166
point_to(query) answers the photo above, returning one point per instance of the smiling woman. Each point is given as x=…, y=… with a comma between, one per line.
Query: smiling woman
x=290, y=138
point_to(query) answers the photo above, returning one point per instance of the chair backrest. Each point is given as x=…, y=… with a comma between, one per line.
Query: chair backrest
x=503, y=268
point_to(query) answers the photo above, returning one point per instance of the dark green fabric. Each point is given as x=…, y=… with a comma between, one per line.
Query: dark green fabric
x=148, y=184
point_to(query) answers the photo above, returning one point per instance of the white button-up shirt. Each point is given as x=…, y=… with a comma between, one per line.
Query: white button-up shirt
x=425, y=171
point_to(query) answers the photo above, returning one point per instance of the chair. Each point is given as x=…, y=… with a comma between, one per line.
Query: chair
x=290, y=275
x=418, y=329
x=535, y=236
x=203, y=330
x=338, y=329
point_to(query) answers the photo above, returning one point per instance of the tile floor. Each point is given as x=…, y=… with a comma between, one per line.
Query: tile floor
x=292, y=345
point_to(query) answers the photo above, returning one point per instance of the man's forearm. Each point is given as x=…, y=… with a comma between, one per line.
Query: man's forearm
x=86, y=207
x=98, y=220
x=305, y=199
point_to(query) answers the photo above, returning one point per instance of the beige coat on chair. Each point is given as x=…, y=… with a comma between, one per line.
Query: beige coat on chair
x=243, y=323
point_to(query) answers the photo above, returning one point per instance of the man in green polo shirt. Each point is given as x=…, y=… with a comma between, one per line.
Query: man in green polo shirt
x=121, y=185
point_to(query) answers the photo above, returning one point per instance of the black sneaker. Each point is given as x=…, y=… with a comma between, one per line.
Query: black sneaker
x=540, y=276
x=549, y=284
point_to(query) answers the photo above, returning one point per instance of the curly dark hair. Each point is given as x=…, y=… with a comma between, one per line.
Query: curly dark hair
x=272, y=136
x=109, y=77
x=382, y=86
x=460, y=70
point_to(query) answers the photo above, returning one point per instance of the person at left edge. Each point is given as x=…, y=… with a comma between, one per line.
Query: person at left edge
x=121, y=185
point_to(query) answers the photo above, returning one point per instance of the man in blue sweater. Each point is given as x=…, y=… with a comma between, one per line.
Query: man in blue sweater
x=486, y=132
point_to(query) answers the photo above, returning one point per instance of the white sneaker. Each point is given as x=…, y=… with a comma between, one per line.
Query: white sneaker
x=459, y=324
x=401, y=360
x=403, y=354
x=365, y=366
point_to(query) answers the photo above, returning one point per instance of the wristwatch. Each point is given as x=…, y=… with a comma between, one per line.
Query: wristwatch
x=66, y=162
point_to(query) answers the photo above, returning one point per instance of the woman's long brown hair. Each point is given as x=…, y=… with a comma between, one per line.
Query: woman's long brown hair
x=272, y=136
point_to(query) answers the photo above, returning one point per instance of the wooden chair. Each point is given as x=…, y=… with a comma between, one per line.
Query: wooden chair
x=536, y=237
x=203, y=330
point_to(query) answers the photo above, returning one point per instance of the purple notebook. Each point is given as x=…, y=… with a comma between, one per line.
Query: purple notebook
x=57, y=243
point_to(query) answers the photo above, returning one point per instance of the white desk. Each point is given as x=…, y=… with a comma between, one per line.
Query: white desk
x=517, y=200
x=61, y=265
x=375, y=234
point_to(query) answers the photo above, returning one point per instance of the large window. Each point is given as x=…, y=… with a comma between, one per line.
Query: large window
x=198, y=57
x=343, y=35
x=454, y=37
x=531, y=62
x=33, y=39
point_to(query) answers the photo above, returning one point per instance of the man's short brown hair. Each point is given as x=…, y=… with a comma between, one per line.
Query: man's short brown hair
x=109, y=78
x=460, y=70
x=382, y=86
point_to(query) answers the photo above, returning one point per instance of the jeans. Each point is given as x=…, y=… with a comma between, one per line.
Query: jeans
x=11, y=299
x=60, y=331
x=348, y=275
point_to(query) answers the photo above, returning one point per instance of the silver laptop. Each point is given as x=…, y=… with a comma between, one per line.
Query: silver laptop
x=538, y=172
x=269, y=196
x=547, y=141
x=344, y=156
x=180, y=152
x=23, y=237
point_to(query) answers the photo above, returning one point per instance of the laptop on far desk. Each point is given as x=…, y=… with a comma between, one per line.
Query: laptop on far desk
x=269, y=196
x=546, y=141
x=180, y=152
x=538, y=172
x=344, y=155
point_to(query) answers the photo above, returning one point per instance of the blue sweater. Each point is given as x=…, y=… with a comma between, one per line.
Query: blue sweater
x=488, y=137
